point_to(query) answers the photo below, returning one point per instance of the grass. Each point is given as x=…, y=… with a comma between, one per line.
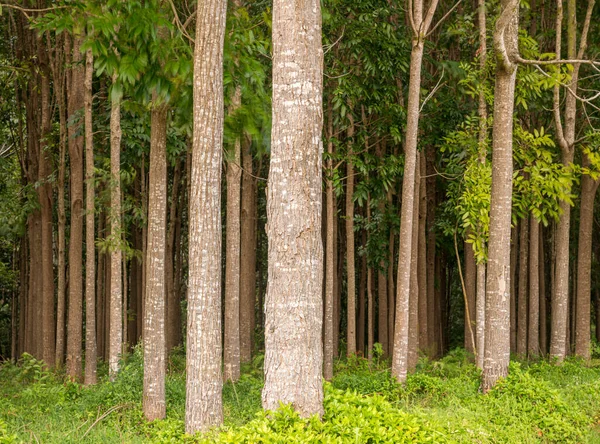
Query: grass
x=537, y=403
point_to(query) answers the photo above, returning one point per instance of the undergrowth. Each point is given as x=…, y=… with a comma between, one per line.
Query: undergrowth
x=439, y=403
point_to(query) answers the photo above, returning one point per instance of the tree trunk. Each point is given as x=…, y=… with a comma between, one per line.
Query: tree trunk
x=471, y=287
x=329, y=259
x=543, y=297
x=75, y=312
x=413, y=306
x=497, y=325
x=232, y=260
x=523, y=287
x=534, y=288
x=248, y=255
x=390, y=279
x=422, y=256
x=370, y=301
x=480, y=314
x=90, y=246
x=294, y=288
x=172, y=305
x=362, y=298
x=350, y=256
x=431, y=253
x=116, y=292
x=584, y=266
x=204, y=405
x=101, y=291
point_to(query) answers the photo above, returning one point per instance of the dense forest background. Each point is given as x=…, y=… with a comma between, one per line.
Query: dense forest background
x=103, y=196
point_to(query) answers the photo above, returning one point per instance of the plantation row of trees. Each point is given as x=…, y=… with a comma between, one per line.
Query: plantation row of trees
x=416, y=176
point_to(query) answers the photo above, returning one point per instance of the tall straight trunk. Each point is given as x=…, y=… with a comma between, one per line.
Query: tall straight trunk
x=584, y=266
x=523, y=288
x=350, y=256
x=431, y=253
x=480, y=314
x=497, y=325
x=514, y=251
x=362, y=289
x=328, y=313
x=75, y=312
x=23, y=291
x=125, y=343
x=370, y=301
x=294, y=288
x=337, y=272
x=90, y=246
x=413, y=306
x=144, y=198
x=116, y=292
x=422, y=256
x=100, y=290
x=533, y=341
x=231, y=354
x=172, y=304
x=154, y=404
x=14, y=325
x=543, y=317
x=471, y=288
x=106, y=320
x=204, y=404
x=390, y=278
x=248, y=254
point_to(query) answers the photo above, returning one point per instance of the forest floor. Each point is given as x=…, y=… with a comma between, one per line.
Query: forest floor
x=440, y=403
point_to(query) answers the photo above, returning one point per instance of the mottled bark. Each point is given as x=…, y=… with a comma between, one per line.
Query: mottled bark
x=350, y=256
x=231, y=355
x=293, y=303
x=497, y=333
x=523, y=288
x=533, y=335
x=204, y=405
x=90, y=246
x=75, y=311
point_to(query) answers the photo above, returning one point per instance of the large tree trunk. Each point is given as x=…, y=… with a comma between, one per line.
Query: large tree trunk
x=497, y=325
x=204, y=404
x=75, y=313
x=231, y=355
x=154, y=313
x=90, y=246
x=533, y=345
x=294, y=351
x=584, y=266
x=523, y=287
x=350, y=257
x=116, y=292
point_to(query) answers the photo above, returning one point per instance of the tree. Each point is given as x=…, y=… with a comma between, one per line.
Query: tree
x=497, y=322
x=204, y=407
x=293, y=304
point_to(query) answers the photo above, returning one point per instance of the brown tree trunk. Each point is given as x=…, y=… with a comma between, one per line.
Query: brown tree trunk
x=413, y=306
x=154, y=320
x=100, y=291
x=248, y=255
x=232, y=260
x=328, y=313
x=390, y=279
x=116, y=292
x=543, y=297
x=370, y=301
x=362, y=298
x=497, y=325
x=422, y=256
x=23, y=291
x=204, y=405
x=514, y=251
x=534, y=289
x=471, y=288
x=90, y=246
x=75, y=312
x=350, y=256
x=294, y=288
x=480, y=314
x=431, y=253
x=172, y=305
x=523, y=287
x=584, y=266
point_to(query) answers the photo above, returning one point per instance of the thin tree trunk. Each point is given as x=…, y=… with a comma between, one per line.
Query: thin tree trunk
x=154, y=320
x=390, y=278
x=431, y=253
x=75, y=313
x=23, y=292
x=413, y=306
x=329, y=259
x=295, y=258
x=514, y=250
x=204, y=405
x=350, y=256
x=232, y=260
x=471, y=287
x=533, y=343
x=543, y=297
x=90, y=247
x=361, y=298
x=497, y=334
x=480, y=314
x=370, y=301
x=116, y=292
x=422, y=256
x=100, y=291
x=172, y=305
x=523, y=287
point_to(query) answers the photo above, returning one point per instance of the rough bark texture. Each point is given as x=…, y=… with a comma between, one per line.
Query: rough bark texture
x=497, y=334
x=116, y=292
x=350, y=256
x=523, y=288
x=293, y=304
x=480, y=314
x=90, y=246
x=204, y=405
x=533, y=336
x=231, y=350
x=75, y=312
x=584, y=266
x=154, y=405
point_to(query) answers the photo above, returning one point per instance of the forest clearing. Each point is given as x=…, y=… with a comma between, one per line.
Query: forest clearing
x=299, y=221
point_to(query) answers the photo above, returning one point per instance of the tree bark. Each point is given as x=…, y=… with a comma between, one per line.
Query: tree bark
x=204, y=405
x=75, y=311
x=413, y=305
x=90, y=246
x=362, y=298
x=543, y=297
x=350, y=256
x=431, y=253
x=514, y=251
x=422, y=256
x=231, y=363
x=497, y=334
x=471, y=287
x=330, y=264
x=523, y=287
x=294, y=304
x=534, y=288
x=172, y=306
x=480, y=314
